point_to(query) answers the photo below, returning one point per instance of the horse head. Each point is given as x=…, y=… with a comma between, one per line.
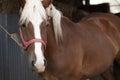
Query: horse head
x=33, y=32
x=34, y=18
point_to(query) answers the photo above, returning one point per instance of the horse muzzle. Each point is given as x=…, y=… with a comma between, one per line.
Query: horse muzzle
x=39, y=67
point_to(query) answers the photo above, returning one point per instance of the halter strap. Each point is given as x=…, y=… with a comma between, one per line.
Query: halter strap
x=26, y=44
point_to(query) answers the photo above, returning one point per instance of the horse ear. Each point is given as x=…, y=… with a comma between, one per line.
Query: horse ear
x=46, y=3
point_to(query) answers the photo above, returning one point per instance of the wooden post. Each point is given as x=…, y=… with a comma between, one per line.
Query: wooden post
x=9, y=7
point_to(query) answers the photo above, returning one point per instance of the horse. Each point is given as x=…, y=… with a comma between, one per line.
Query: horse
x=60, y=49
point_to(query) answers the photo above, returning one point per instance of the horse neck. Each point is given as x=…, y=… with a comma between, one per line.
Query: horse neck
x=64, y=24
x=52, y=43
x=50, y=34
x=51, y=40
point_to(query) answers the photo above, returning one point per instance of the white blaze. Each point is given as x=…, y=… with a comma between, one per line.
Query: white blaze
x=38, y=51
x=36, y=21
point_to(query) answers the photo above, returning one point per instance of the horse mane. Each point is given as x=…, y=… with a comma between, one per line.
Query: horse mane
x=32, y=8
x=56, y=17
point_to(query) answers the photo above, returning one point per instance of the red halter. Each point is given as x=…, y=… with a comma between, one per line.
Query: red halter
x=26, y=44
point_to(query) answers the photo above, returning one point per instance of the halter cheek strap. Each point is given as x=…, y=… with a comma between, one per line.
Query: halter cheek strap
x=26, y=44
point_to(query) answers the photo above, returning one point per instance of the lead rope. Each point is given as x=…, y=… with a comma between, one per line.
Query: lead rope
x=12, y=36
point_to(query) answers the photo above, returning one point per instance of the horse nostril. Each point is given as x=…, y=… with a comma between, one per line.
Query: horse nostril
x=33, y=62
x=45, y=62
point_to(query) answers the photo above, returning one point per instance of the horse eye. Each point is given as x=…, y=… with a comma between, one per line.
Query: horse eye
x=47, y=25
x=24, y=25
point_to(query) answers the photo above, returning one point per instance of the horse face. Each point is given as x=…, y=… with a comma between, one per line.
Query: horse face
x=34, y=42
x=34, y=37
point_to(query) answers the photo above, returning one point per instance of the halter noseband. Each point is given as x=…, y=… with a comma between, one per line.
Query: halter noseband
x=26, y=44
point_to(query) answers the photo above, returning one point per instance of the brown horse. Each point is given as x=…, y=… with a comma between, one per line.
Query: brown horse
x=60, y=49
